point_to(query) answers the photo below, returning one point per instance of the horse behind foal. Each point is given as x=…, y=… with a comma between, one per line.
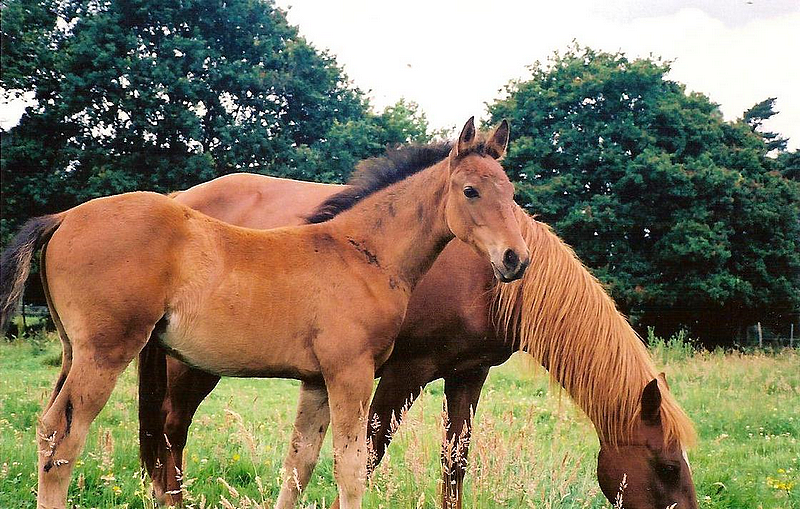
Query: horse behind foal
x=240, y=302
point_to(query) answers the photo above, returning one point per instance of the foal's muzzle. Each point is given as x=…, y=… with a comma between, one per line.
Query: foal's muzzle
x=512, y=268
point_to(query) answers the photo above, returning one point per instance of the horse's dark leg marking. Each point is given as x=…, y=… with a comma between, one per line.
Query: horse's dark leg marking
x=68, y=416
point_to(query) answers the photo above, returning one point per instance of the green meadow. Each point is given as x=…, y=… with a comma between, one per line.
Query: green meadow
x=532, y=448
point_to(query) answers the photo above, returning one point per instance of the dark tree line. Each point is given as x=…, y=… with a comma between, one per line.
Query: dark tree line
x=162, y=95
x=690, y=221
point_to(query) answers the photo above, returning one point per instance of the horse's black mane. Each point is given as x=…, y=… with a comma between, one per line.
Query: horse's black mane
x=372, y=175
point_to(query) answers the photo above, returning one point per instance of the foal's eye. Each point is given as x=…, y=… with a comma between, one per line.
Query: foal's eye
x=471, y=192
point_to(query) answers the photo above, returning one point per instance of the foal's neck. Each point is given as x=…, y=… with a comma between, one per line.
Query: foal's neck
x=402, y=229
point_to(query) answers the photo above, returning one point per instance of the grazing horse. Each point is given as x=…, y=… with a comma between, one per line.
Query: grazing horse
x=322, y=303
x=460, y=323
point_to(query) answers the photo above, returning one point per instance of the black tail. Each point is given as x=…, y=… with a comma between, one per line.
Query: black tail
x=15, y=262
x=152, y=391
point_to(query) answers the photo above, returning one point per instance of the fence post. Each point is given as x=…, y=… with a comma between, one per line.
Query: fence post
x=24, y=320
x=760, y=337
x=791, y=335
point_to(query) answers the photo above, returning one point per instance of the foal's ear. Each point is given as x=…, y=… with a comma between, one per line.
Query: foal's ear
x=498, y=142
x=651, y=403
x=466, y=138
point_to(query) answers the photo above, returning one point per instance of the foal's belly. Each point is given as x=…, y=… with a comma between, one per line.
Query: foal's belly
x=230, y=349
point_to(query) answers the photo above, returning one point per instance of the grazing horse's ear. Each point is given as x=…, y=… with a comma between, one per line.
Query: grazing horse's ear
x=466, y=138
x=651, y=403
x=498, y=141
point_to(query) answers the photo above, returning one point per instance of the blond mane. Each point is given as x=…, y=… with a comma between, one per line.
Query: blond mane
x=561, y=315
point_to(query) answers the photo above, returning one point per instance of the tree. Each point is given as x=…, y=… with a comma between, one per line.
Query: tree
x=333, y=159
x=161, y=95
x=679, y=213
x=755, y=117
x=788, y=163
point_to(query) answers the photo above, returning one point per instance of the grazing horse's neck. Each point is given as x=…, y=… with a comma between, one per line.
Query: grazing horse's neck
x=563, y=317
x=402, y=229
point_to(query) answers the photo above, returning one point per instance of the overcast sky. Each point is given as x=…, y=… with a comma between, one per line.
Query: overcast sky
x=453, y=56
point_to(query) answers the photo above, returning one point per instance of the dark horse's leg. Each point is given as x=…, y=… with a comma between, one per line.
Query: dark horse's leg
x=399, y=387
x=186, y=388
x=462, y=391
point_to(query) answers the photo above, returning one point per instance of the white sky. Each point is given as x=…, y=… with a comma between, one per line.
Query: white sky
x=454, y=56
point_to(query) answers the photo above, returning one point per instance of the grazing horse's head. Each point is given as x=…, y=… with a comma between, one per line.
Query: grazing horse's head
x=480, y=202
x=646, y=472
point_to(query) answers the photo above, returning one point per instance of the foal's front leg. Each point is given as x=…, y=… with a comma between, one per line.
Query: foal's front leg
x=349, y=389
x=310, y=425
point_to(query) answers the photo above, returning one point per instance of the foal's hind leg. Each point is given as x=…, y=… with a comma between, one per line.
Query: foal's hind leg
x=63, y=426
x=66, y=365
x=310, y=425
x=66, y=346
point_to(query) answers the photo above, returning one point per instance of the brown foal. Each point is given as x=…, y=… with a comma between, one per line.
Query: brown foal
x=557, y=312
x=238, y=302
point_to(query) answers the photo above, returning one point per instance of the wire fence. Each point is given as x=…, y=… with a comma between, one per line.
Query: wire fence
x=757, y=335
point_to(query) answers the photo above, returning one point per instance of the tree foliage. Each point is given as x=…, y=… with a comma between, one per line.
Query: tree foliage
x=681, y=214
x=162, y=95
x=755, y=117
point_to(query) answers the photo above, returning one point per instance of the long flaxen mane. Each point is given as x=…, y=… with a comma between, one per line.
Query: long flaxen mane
x=372, y=175
x=561, y=315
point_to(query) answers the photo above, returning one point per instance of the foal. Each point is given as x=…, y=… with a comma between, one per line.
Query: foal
x=238, y=302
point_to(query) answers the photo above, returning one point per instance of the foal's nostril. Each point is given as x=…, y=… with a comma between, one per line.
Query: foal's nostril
x=510, y=259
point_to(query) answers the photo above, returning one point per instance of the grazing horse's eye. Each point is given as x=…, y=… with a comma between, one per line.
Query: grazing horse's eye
x=668, y=472
x=471, y=192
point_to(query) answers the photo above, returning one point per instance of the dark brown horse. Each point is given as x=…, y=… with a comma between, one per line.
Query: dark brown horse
x=459, y=324
x=125, y=270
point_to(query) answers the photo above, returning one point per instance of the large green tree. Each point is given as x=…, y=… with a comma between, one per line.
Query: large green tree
x=681, y=214
x=333, y=159
x=161, y=95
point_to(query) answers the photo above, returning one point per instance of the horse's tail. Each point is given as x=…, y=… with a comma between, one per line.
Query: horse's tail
x=152, y=391
x=15, y=262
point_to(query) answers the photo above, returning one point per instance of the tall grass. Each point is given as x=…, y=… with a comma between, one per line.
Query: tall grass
x=531, y=446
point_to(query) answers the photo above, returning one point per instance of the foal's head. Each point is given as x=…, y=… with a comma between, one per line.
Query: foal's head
x=656, y=475
x=480, y=201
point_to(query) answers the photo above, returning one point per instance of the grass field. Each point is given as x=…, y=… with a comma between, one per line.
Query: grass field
x=532, y=447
